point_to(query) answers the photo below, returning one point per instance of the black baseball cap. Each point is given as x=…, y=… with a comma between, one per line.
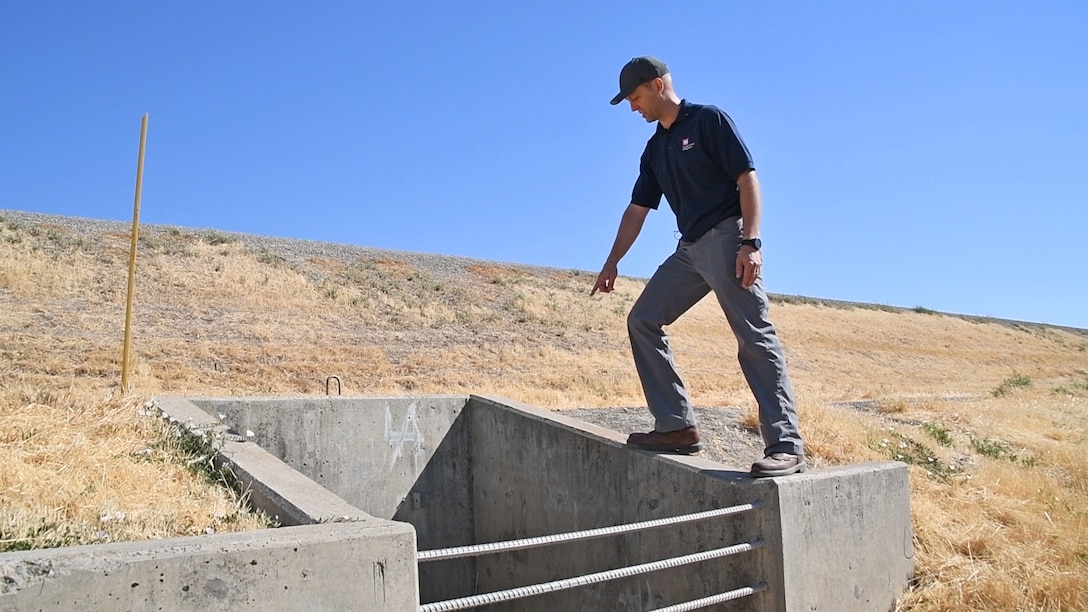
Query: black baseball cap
x=636, y=72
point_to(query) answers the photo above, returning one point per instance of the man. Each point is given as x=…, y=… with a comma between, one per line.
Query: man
x=698, y=162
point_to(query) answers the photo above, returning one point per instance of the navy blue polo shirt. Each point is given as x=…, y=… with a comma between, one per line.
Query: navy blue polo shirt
x=695, y=165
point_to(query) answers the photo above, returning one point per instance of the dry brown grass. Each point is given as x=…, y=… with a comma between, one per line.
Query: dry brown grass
x=999, y=481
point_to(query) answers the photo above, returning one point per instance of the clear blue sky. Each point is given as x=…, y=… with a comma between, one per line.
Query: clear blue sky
x=915, y=153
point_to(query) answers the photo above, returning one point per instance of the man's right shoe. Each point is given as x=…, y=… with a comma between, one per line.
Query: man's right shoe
x=684, y=441
x=778, y=464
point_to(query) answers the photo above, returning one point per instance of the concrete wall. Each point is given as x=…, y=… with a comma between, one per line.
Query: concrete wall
x=405, y=459
x=337, y=566
x=845, y=538
x=465, y=470
x=837, y=539
x=369, y=451
x=555, y=475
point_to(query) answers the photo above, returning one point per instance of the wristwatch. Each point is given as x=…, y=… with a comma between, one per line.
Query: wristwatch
x=755, y=243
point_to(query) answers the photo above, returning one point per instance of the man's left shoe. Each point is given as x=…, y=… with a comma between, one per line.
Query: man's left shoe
x=685, y=441
x=778, y=464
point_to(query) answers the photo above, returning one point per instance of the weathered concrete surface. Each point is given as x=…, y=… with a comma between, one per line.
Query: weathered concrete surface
x=272, y=486
x=401, y=458
x=845, y=538
x=470, y=469
x=836, y=539
x=368, y=450
x=544, y=474
x=338, y=566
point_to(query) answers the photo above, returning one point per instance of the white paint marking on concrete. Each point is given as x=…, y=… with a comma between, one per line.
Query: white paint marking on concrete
x=409, y=432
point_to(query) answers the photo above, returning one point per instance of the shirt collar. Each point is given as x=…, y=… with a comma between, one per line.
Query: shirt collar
x=685, y=110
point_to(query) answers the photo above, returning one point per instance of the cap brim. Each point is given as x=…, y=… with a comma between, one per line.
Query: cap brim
x=619, y=97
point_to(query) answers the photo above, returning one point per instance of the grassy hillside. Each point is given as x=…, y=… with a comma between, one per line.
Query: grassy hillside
x=993, y=417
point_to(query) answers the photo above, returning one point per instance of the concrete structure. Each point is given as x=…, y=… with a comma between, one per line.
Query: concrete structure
x=466, y=470
x=368, y=565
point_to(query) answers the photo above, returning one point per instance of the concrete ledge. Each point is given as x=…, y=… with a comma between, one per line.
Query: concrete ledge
x=281, y=492
x=845, y=538
x=273, y=487
x=341, y=566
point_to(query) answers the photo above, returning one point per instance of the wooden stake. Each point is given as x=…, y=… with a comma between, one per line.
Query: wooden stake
x=132, y=256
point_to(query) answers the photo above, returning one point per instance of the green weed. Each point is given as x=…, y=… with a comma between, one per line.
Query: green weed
x=996, y=449
x=197, y=451
x=904, y=448
x=1016, y=381
x=938, y=433
x=46, y=535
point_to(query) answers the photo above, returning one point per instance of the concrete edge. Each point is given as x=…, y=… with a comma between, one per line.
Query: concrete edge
x=113, y=554
x=612, y=438
x=271, y=486
x=309, y=564
x=869, y=506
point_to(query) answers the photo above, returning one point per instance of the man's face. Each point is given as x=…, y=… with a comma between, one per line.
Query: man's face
x=645, y=100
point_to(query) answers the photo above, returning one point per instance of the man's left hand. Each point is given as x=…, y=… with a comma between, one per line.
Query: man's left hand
x=749, y=265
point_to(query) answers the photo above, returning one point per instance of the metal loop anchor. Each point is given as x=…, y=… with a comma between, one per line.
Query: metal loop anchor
x=329, y=380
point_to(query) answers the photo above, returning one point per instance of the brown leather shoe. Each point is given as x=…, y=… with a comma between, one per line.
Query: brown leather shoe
x=684, y=441
x=778, y=464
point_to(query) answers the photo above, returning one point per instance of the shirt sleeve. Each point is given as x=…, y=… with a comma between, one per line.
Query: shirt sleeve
x=646, y=191
x=726, y=146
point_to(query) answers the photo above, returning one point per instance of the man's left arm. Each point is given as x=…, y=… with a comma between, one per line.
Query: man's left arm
x=749, y=259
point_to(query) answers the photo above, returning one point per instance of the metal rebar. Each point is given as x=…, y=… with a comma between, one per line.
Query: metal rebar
x=327, y=384
x=494, y=547
x=715, y=599
x=569, y=583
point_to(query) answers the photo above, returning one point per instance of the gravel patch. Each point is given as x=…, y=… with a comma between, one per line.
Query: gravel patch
x=725, y=439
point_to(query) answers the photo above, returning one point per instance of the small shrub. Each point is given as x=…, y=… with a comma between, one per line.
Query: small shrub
x=995, y=449
x=147, y=242
x=938, y=433
x=904, y=448
x=1016, y=381
x=924, y=310
x=197, y=451
x=217, y=238
x=267, y=257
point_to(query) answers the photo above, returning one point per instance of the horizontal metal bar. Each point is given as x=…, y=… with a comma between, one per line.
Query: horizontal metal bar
x=715, y=599
x=569, y=583
x=494, y=547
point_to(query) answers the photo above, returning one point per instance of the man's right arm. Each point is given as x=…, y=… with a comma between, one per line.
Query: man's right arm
x=630, y=226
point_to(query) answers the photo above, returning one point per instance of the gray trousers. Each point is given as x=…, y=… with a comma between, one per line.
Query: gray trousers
x=695, y=269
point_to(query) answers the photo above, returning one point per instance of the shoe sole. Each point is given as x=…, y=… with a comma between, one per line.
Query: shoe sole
x=800, y=467
x=670, y=448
